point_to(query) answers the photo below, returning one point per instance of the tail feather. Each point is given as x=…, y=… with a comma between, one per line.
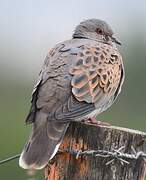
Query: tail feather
x=43, y=144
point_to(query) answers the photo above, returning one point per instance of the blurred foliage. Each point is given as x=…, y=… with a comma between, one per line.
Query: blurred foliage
x=129, y=110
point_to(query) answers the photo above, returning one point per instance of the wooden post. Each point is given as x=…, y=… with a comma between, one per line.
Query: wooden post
x=81, y=136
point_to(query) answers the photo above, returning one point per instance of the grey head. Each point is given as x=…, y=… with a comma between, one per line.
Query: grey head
x=95, y=29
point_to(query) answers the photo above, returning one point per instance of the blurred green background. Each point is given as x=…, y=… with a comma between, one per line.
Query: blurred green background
x=28, y=28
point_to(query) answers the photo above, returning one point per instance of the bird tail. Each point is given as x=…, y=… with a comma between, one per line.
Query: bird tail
x=43, y=143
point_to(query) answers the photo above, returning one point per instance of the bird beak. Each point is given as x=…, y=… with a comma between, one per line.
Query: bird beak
x=115, y=40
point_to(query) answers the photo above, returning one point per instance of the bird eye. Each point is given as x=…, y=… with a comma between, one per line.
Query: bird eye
x=99, y=31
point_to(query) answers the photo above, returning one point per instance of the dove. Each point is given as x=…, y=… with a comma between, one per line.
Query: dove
x=80, y=78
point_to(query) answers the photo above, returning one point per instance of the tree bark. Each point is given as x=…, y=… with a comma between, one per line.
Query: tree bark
x=81, y=136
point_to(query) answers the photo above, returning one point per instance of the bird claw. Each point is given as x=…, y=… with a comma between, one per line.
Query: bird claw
x=98, y=123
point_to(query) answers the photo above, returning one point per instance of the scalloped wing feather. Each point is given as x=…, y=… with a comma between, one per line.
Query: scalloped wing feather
x=97, y=73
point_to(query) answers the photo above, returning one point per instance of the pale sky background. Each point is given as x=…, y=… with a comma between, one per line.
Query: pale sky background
x=29, y=28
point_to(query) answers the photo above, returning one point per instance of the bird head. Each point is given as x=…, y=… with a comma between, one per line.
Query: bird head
x=95, y=29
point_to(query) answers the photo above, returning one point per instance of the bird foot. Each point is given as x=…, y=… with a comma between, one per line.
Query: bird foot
x=98, y=123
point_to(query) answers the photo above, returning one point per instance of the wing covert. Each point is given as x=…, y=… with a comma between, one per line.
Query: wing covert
x=97, y=73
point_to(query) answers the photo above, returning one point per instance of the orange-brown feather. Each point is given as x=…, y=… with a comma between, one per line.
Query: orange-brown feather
x=97, y=72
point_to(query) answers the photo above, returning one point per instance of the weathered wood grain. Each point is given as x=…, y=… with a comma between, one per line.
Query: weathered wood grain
x=81, y=136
